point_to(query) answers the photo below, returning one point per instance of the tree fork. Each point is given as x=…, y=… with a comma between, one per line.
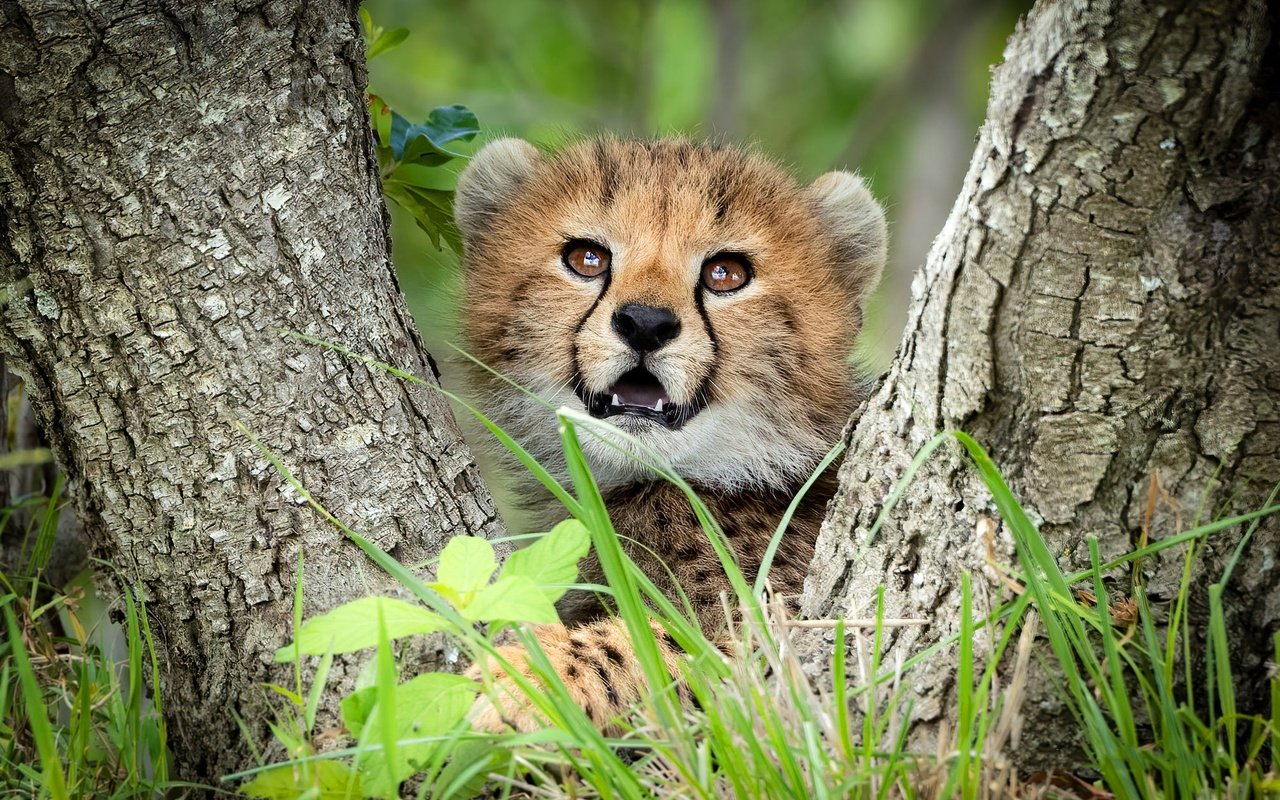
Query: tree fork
x=181, y=184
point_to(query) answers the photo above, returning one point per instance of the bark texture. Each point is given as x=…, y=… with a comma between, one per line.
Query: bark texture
x=1102, y=305
x=180, y=184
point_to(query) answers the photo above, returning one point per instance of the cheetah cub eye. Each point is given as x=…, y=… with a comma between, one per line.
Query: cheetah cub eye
x=726, y=272
x=587, y=259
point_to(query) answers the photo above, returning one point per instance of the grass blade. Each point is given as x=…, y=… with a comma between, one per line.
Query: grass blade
x=37, y=714
x=1220, y=656
x=767, y=560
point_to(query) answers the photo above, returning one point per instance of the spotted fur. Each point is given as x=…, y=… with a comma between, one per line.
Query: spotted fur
x=767, y=364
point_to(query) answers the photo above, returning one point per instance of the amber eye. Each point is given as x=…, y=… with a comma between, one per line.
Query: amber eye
x=588, y=259
x=725, y=273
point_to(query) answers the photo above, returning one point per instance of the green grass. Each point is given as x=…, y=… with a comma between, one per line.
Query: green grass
x=761, y=727
x=1158, y=718
x=75, y=720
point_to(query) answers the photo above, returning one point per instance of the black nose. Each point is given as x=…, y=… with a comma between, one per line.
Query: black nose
x=645, y=328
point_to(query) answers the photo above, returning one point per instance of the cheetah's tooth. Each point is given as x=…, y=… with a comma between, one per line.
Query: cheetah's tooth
x=616, y=401
x=658, y=405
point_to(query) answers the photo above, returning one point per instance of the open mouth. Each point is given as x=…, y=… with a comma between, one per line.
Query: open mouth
x=639, y=393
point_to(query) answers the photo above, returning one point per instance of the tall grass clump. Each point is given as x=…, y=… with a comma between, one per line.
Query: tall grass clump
x=1144, y=731
x=756, y=724
x=76, y=720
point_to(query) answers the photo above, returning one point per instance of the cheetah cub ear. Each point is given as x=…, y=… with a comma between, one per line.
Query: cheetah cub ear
x=490, y=182
x=856, y=222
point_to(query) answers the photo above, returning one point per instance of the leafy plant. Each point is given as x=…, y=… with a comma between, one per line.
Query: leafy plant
x=758, y=727
x=410, y=156
x=406, y=729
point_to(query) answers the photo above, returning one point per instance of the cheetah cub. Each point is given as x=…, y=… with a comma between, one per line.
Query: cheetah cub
x=696, y=297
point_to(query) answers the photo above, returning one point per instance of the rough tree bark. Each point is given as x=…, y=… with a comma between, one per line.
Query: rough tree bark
x=1102, y=305
x=180, y=184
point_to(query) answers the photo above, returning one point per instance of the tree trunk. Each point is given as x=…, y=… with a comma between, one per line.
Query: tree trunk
x=180, y=185
x=1103, y=305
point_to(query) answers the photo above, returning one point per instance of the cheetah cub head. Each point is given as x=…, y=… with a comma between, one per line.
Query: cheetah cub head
x=691, y=295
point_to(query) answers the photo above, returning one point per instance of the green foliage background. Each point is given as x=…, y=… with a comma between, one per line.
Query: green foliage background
x=893, y=88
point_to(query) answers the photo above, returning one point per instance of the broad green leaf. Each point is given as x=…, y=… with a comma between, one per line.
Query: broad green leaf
x=439, y=225
x=468, y=770
x=431, y=209
x=447, y=123
x=552, y=561
x=387, y=40
x=399, y=194
x=400, y=134
x=440, y=180
x=385, y=159
x=511, y=598
x=425, y=143
x=466, y=564
x=404, y=134
x=353, y=626
x=432, y=197
x=356, y=707
x=327, y=780
x=367, y=676
x=430, y=705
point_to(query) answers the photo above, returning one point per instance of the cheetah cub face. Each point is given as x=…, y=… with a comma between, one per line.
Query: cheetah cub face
x=693, y=296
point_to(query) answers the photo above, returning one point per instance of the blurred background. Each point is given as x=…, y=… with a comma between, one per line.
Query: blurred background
x=895, y=89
